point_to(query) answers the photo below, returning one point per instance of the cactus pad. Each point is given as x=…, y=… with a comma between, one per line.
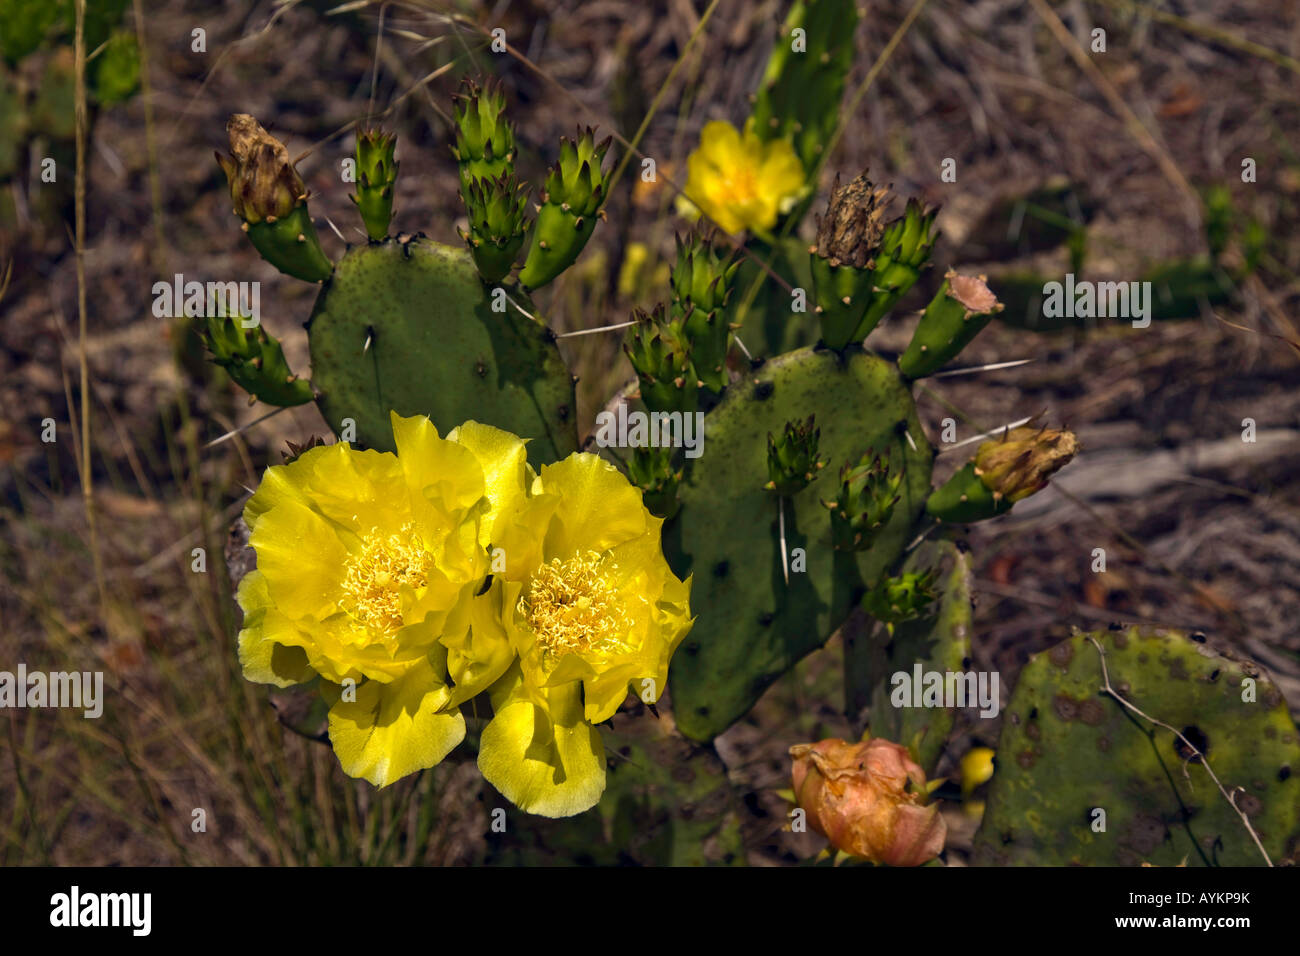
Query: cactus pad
x=437, y=347
x=1067, y=750
x=726, y=533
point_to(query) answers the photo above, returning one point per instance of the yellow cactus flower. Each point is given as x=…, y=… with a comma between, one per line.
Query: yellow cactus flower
x=739, y=181
x=588, y=607
x=976, y=769
x=367, y=563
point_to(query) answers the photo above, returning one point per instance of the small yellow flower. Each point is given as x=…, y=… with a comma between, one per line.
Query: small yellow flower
x=976, y=769
x=588, y=607
x=367, y=564
x=739, y=181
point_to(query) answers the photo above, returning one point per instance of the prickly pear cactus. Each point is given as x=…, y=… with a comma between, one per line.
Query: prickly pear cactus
x=1068, y=750
x=409, y=326
x=727, y=531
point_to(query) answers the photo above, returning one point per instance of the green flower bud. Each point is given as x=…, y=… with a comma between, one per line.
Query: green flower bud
x=485, y=139
x=575, y=190
x=254, y=361
x=701, y=282
x=652, y=470
x=895, y=600
x=867, y=494
x=792, y=462
x=496, y=224
x=662, y=361
x=376, y=174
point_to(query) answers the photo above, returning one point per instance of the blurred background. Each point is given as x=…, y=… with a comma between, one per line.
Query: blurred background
x=1121, y=165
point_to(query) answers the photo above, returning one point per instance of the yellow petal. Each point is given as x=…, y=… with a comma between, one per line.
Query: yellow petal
x=521, y=537
x=264, y=659
x=479, y=656
x=504, y=461
x=283, y=483
x=599, y=508
x=539, y=752
x=395, y=729
x=301, y=557
x=436, y=469
x=721, y=142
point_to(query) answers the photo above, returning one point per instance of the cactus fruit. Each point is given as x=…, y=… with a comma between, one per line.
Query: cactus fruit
x=959, y=310
x=570, y=204
x=757, y=627
x=1004, y=471
x=799, y=96
x=792, y=462
x=867, y=494
x=407, y=326
x=271, y=199
x=1068, y=750
x=376, y=174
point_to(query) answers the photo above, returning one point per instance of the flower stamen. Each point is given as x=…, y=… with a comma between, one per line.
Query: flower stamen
x=376, y=573
x=572, y=606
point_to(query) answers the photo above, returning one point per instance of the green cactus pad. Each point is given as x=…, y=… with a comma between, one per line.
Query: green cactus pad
x=756, y=626
x=799, y=97
x=1067, y=749
x=437, y=348
x=939, y=640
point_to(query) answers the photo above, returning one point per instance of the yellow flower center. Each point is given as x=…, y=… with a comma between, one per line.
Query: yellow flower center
x=572, y=606
x=738, y=185
x=376, y=573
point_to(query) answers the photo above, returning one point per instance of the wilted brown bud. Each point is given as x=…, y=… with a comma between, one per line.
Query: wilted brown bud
x=850, y=232
x=866, y=799
x=1019, y=464
x=263, y=183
